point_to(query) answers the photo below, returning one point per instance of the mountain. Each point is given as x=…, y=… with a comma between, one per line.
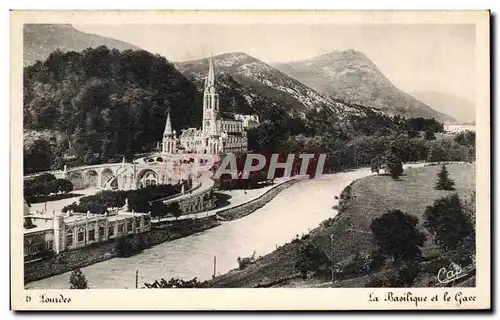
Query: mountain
x=41, y=39
x=463, y=110
x=350, y=76
x=248, y=85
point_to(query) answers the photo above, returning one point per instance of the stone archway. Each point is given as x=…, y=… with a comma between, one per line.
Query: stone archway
x=91, y=178
x=34, y=245
x=77, y=180
x=106, y=175
x=147, y=177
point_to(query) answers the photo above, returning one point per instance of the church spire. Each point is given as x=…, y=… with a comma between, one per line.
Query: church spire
x=210, y=81
x=168, y=125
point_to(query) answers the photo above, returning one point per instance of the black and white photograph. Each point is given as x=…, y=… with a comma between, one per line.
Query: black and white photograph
x=219, y=151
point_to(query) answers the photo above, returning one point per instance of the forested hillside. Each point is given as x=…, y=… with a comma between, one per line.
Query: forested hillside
x=104, y=103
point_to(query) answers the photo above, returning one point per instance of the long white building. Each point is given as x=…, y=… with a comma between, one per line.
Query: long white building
x=69, y=231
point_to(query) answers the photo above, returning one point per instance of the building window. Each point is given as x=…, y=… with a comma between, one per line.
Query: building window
x=101, y=232
x=81, y=236
x=111, y=231
x=130, y=225
x=91, y=235
x=69, y=239
x=50, y=245
x=121, y=228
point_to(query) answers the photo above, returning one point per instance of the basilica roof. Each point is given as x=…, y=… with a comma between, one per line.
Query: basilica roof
x=191, y=132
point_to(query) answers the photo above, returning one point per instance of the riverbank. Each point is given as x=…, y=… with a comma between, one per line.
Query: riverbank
x=69, y=260
x=164, y=231
x=361, y=201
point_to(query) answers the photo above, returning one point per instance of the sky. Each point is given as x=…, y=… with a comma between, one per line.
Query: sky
x=415, y=57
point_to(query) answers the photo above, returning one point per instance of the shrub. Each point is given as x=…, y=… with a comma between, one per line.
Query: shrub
x=28, y=223
x=448, y=223
x=396, y=235
x=77, y=280
x=378, y=281
x=377, y=261
x=139, y=200
x=429, y=135
x=327, y=223
x=176, y=283
x=469, y=207
x=376, y=164
x=126, y=246
x=310, y=258
x=245, y=262
x=355, y=266
x=405, y=275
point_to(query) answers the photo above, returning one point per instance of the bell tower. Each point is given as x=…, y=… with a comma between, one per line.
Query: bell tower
x=169, y=143
x=210, y=103
x=211, y=124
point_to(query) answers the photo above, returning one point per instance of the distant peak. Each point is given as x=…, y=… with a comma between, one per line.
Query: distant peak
x=349, y=53
x=234, y=55
x=65, y=25
x=50, y=25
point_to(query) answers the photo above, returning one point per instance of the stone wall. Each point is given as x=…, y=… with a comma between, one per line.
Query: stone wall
x=249, y=207
x=68, y=261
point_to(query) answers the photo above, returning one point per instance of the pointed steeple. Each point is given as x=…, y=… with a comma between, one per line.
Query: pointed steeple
x=210, y=81
x=168, y=125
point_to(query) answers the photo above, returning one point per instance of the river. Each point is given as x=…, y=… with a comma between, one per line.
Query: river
x=295, y=210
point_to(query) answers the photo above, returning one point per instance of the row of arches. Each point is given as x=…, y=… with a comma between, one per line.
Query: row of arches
x=92, y=178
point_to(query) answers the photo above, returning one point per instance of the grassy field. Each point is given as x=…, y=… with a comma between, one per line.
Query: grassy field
x=371, y=197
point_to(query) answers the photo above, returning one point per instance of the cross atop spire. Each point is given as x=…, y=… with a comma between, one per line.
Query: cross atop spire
x=168, y=125
x=210, y=81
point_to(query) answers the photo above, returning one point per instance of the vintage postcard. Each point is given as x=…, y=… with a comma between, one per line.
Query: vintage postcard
x=240, y=160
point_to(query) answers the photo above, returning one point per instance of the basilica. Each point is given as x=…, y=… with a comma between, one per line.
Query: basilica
x=216, y=136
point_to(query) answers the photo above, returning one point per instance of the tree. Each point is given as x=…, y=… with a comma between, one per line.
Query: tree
x=466, y=138
x=158, y=209
x=77, y=280
x=65, y=185
x=396, y=235
x=469, y=208
x=447, y=222
x=429, y=135
x=436, y=153
x=376, y=164
x=443, y=182
x=175, y=209
x=394, y=165
x=412, y=133
x=310, y=258
x=37, y=156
